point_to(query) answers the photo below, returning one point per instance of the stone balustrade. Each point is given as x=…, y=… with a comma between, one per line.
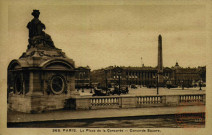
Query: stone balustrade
x=104, y=101
x=107, y=102
x=191, y=98
x=149, y=100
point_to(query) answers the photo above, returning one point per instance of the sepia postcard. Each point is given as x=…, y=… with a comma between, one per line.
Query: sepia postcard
x=105, y=67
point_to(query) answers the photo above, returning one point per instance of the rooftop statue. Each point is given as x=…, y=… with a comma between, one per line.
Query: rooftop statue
x=37, y=37
x=40, y=43
x=35, y=26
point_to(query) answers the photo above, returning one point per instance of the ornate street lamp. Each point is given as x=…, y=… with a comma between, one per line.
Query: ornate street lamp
x=119, y=74
x=90, y=82
x=200, y=84
x=182, y=84
x=157, y=84
x=106, y=83
x=201, y=76
x=156, y=77
x=91, y=87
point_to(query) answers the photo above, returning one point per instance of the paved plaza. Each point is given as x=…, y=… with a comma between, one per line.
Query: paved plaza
x=153, y=91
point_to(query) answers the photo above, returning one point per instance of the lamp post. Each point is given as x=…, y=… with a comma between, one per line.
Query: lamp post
x=127, y=76
x=200, y=85
x=91, y=87
x=119, y=74
x=106, y=84
x=156, y=77
x=200, y=82
x=157, y=84
x=119, y=81
x=182, y=84
x=90, y=82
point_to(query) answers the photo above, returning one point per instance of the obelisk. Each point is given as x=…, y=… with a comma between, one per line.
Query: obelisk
x=160, y=61
x=160, y=57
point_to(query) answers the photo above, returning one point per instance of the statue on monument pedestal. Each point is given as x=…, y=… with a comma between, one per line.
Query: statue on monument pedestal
x=35, y=26
x=43, y=73
x=40, y=43
x=36, y=34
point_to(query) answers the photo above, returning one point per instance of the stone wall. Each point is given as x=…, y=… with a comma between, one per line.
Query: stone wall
x=37, y=104
x=20, y=103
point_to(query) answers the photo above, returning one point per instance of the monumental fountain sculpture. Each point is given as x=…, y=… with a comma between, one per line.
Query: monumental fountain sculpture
x=43, y=77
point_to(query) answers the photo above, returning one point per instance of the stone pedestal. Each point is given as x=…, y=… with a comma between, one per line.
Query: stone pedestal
x=129, y=102
x=43, y=85
x=172, y=100
x=43, y=77
x=37, y=104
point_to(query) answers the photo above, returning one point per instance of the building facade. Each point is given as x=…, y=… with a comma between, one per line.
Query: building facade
x=188, y=75
x=143, y=76
x=82, y=77
x=147, y=76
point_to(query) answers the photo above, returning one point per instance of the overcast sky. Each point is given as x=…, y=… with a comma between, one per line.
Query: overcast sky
x=101, y=36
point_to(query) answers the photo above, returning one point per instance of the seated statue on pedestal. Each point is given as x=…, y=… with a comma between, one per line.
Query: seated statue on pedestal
x=36, y=34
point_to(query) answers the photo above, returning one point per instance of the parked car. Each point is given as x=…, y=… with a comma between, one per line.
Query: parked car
x=123, y=90
x=151, y=86
x=169, y=85
x=195, y=85
x=101, y=92
x=115, y=91
x=133, y=86
x=203, y=84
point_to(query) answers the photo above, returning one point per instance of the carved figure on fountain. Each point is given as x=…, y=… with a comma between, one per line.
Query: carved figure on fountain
x=42, y=75
x=40, y=43
x=37, y=37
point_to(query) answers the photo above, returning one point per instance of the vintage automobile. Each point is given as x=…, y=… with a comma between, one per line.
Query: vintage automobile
x=169, y=85
x=101, y=92
x=151, y=86
x=203, y=84
x=197, y=84
x=133, y=86
x=123, y=90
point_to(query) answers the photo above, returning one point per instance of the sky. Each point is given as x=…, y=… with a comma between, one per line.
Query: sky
x=108, y=35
